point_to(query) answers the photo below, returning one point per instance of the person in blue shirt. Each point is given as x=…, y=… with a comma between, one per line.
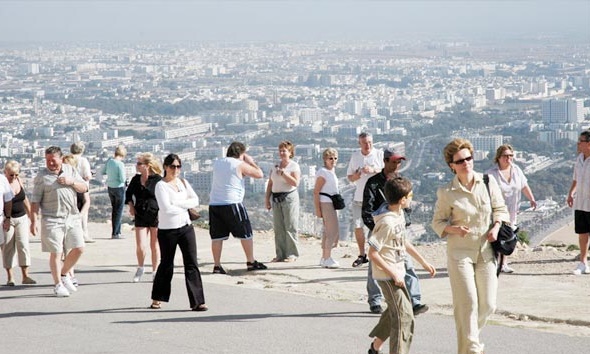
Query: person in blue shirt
x=114, y=169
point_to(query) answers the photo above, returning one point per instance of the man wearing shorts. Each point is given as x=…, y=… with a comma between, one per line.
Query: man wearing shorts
x=227, y=214
x=363, y=165
x=579, y=198
x=54, y=193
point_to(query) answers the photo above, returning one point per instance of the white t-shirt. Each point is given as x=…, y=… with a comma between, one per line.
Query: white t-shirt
x=511, y=191
x=279, y=184
x=84, y=169
x=331, y=185
x=373, y=159
x=582, y=178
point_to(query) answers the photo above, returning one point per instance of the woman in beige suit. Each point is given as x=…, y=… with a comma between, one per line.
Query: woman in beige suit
x=463, y=214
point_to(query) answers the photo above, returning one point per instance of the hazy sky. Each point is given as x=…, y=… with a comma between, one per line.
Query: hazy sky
x=247, y=20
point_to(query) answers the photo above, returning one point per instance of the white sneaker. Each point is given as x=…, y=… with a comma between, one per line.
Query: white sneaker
x=582, y=269
x=67, y=282
x=506, y=269
x=61, y=291
x=330, y=263
x=138, y=275
x=322, y=261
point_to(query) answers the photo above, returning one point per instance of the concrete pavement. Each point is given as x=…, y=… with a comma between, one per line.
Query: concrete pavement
x=291, y=308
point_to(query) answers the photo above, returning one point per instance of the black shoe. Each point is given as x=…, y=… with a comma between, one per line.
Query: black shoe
x=219, y=270
x=377, y=309
x=255, y=266
x=373, y=351
x=360, y=261
x=418, y=309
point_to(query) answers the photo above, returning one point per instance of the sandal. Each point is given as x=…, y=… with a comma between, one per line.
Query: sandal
x=255, y=266
x=276, y=259
x=155, y=306
x=219, y=270
x=290, y=259
x=200, y=308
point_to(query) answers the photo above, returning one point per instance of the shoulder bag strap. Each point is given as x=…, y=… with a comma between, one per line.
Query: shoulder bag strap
x=499, y=256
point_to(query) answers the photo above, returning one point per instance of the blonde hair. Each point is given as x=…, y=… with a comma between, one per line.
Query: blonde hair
x=70, y=160
x=151, y=162
x=454, y=147
x=121, y=151
x=329, y=152
x=11, y=166
x=501, y=150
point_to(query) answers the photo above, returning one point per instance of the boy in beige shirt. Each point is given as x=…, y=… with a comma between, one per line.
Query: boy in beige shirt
x=387, y=251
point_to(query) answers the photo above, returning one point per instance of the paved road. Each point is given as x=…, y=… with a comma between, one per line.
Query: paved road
x=109, y=315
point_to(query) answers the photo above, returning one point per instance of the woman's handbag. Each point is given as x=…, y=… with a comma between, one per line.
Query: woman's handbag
x=337, y=200
x=193, y=213
x=506, y=241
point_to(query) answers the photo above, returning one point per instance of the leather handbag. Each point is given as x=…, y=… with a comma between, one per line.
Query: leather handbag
x=193, y=213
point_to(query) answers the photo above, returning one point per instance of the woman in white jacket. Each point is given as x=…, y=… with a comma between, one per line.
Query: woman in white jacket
x=175, y=197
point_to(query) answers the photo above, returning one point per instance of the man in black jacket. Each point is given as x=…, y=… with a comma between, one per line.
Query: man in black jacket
x=373, y=197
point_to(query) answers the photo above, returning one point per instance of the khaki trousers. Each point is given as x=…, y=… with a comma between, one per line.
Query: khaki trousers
x=331, y=232
x=397, y=322
x=474, y=286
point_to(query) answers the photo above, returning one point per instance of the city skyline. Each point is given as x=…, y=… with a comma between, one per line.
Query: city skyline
x=304, y=20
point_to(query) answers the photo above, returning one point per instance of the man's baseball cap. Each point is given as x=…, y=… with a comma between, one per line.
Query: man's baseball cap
x=390, y=153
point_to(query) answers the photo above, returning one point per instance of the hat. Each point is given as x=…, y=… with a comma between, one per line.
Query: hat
x=390, y=153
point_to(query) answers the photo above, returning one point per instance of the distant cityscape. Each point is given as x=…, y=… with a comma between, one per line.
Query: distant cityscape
x=193, y=99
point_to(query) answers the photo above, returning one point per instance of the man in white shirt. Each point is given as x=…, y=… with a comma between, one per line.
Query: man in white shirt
x=578, y=198
x=363, y=165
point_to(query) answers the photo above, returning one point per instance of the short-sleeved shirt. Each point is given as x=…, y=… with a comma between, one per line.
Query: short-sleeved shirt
x=279, y=185
x=582, y=178
x=511, y=191
x=331, y=185
x=84, y=168
x=388, y=238
x=373, y=159
x=56, y=200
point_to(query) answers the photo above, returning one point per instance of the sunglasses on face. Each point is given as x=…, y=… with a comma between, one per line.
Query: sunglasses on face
x=13, y=175
x=175, y=167
x=461, y=161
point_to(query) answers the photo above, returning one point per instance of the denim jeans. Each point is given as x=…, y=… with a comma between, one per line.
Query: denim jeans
x=411, y=280
x=117, y=197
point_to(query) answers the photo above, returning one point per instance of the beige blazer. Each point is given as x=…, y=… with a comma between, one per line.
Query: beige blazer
x=456, y=205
